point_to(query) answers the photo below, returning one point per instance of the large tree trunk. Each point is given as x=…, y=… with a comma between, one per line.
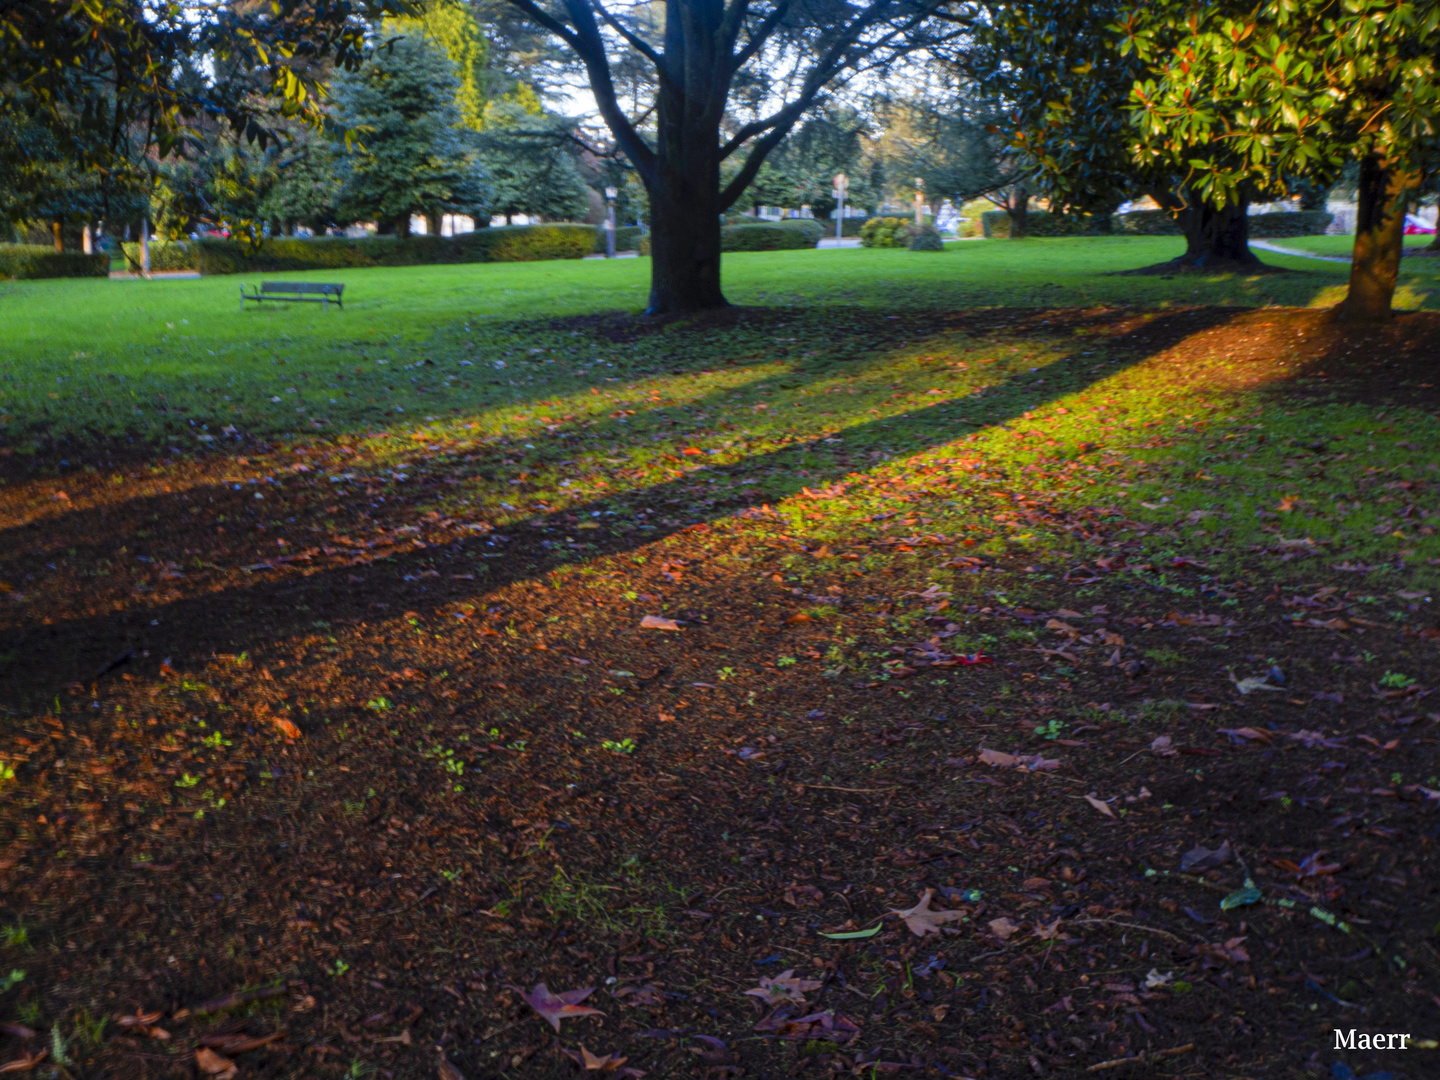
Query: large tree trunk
x=684, y=187
x=57, y=233
x=1216, y=240
x=685, y=234
x=1017, y=205
x=1383, y=198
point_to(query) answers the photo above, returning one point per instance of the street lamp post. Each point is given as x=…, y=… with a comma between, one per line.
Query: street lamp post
x=842, y=185
x=610, y=196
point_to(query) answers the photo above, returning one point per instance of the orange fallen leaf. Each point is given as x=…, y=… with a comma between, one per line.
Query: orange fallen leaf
x=212, y=1064
x=286, y=728
x=1101, y=805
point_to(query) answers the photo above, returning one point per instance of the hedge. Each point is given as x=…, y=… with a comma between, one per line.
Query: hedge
x=504, y=243
x=25, y=262
x=627, y=238
x=1294, y=223
x=995, y=224
x=1145, y=223
x=1262, y=226
x=172, y=255
x=770, y=236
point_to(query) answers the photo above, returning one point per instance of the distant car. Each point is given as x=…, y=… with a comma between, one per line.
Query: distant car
x=1415, y=227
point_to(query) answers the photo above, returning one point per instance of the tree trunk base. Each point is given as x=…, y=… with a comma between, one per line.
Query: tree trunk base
x=1205, y=264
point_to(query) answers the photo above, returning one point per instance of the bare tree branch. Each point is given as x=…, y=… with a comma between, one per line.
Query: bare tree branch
x=637, y=43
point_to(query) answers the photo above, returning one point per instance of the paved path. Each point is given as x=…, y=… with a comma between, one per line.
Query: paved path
x=1265, y=245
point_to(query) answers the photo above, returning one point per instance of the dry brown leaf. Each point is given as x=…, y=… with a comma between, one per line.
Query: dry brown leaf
x=447, y=1071
x=784, y=988
x=658, y=622
x=1048, y=933
x=1101, y=805
x=212, y=1064
x=24, y=1064
x=1002, y=928
x=286, y=728
x=922, y=921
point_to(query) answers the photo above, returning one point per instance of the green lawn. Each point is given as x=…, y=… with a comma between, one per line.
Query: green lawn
x=168, y=360
x=1342, y=245
x=855, y=369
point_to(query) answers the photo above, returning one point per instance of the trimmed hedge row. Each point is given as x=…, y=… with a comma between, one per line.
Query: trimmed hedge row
x=167, y=255
x=505, y=243
x=627, y=238
x=27, y=262
x=1262, y=226
x=771, y=236
x=995, y=224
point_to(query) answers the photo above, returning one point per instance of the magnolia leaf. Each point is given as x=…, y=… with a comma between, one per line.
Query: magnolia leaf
x=851, y=935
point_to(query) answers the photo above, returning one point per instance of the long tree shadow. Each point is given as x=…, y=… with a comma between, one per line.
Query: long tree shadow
x=50, y=649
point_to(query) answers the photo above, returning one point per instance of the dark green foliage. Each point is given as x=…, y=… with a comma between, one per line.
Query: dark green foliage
x=531, y=169
x=24, y=262
x=1262, y=226
x=1146, y=223
x=771, y=236
x=627, y=238
x=175, y=255
x=1300, y=223
x=411, y=155
x=995, y=224
x=925, y=238
x=513, y=243
x=801, y=171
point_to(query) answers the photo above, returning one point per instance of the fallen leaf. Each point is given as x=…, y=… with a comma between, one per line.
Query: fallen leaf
x=1200, y=858
x=1155, y=981
x=447, y=1071
x=852, y=935
x=1101, y=805
x=1049, y=933
x=212, y=1064
x=24, y=1064
x=286, y=728
x=1247, y=733
x=609, y=1063
x=658, y=622
x=784, y=988
x=1163, y=747
x=238, y=1042
x=556, y=1007
x=1002, y=928
x=1033, y=762
x=922, y=921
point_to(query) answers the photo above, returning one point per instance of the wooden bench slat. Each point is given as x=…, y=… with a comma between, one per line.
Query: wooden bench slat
x=312, y=292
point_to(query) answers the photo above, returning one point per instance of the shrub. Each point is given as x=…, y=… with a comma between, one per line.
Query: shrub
x=925, y=238
x=880, y=232
x=509, y=243
x=851, y=227
x=174, y=255
x=26, y=262
x=627, y=238
x=995, y=224
x=771, y=236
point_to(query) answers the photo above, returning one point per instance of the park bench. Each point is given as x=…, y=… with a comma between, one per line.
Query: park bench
x=308, y=292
